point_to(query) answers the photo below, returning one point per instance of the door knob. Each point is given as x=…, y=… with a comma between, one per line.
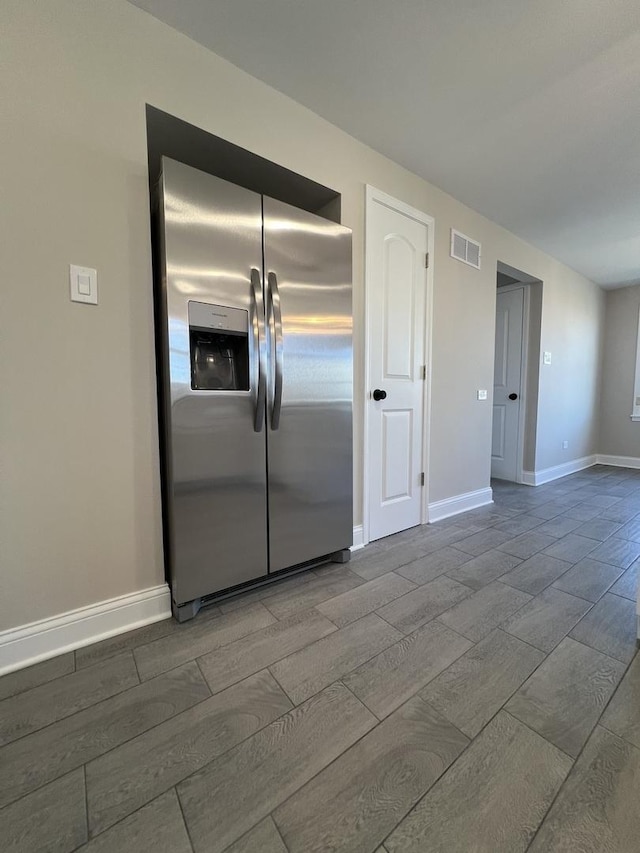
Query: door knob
x=379, y=394
x=513, y=396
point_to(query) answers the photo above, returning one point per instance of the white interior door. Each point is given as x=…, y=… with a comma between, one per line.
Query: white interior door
x=397, y=247
x=506, y=384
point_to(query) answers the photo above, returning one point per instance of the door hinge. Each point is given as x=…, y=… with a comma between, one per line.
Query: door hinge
x=422, y=479
x=426, y=261
x=424, y=372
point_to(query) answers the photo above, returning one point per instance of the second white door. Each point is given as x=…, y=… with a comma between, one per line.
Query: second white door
x=506, y=384
x=397, y=246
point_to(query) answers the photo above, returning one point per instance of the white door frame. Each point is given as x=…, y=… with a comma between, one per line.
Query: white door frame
x=524, y=360
x=375, y=196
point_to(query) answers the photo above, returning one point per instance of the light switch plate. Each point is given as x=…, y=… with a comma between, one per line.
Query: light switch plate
x=83, y=284
x=482, y=394
x=547, y=358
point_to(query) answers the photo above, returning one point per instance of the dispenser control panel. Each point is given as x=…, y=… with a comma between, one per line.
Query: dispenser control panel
x=204, y=315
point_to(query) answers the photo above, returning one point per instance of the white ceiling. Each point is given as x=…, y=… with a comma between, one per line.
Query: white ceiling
x=526, y=110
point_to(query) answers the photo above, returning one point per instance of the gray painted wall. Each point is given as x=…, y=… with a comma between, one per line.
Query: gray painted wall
x=619, y=435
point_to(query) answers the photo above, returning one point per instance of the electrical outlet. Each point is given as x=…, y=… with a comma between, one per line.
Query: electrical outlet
x=482, y=394
x=565, y=445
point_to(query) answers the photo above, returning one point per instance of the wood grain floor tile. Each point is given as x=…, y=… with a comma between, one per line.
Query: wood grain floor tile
x=630, y=530
x=364, y=599
x=622, y=715
x=463, y=521
x=483, y=541
x=51, y=820
x=477, y=684
x=250, y=654
x=627, y=584
x=32, y=710
x=434, y=537
x=380, y=562
x=126, y=778
x=372, y=548
x=536, y=573
x=527, y=544
x=477, y=615
x=236, y=602
x=353, y=804
x=201, y=636
x=571, y=548
x=393, y=676
x=559, y=526
x=263, y=838
x=550, y=509
x=307, y=671
x=484, y=569
x=333, y=776
x=610, y=627
x=547, y=618
x=582, y=512
x=588, y=579
x=519, y=524
x=597, y=808
x=33, y=676
x=32, y=761
x=156, y=828
x=598, y=528
x=327, y=585
x=424, y=603
x=601, y=500
x=620, y=513
x=491, y=800
x=564, y=698
x=618, y=552
x=431, y=566
x=236, y=791
x=98, y=652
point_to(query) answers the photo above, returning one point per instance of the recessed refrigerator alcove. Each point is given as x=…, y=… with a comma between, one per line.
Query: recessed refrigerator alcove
x=253, y=308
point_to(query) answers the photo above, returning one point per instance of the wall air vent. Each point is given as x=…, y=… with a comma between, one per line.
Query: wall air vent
x=464, y=249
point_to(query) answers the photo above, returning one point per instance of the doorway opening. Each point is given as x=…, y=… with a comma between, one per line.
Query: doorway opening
x=516, y=373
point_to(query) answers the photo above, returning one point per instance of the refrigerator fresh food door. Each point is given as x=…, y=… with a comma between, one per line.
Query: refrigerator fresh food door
x=215, y=482
x=309, y=411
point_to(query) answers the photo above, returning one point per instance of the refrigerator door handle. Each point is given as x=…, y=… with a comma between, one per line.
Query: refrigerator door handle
x=261, y=347
x=276, y=316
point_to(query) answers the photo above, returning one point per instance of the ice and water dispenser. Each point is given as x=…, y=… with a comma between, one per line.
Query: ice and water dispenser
x=219, y=346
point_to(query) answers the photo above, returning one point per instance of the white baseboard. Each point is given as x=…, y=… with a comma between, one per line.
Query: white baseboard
x=358, y=538
x=459, y=503
x=546, y=475
x=29, y=644
x=619, y=461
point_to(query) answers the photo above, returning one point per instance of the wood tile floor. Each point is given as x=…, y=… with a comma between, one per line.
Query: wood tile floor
x=472, y=685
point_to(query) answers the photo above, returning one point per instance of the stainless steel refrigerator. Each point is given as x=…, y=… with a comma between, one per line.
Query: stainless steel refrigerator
x=254, y=310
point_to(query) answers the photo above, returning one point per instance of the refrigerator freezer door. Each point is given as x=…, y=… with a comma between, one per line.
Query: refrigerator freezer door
x=215, y=483
x=308, y=275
